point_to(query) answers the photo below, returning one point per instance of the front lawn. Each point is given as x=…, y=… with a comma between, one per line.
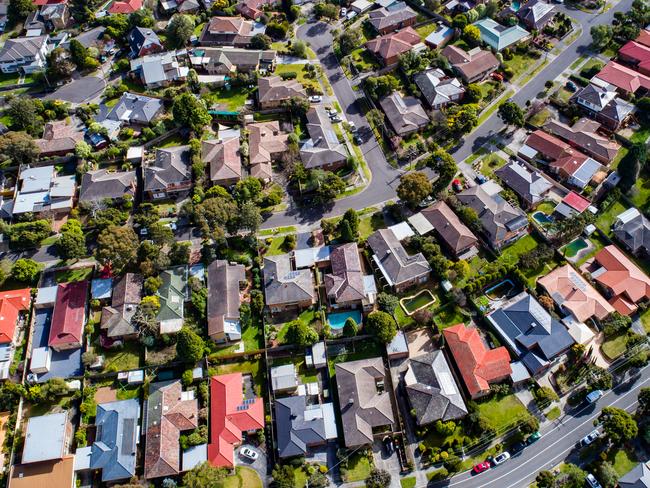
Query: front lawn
x=71, y=275
x=519, y=63
x=553, y=413
x=623, y=461
x=301, y=75
x=615, y=346
x=363, y=60
x=641, y=135
x=425, y=30
x=244, y=477
x=276, y=246
x=540, y=118
x=7, y=79
x=502, y=412
x=359, y=467
x=369, y=224
x=408, y=482
x=491, y=163
x=645, y=320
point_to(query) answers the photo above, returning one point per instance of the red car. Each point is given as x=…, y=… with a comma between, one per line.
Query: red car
x=457, y=185
x=480, y=467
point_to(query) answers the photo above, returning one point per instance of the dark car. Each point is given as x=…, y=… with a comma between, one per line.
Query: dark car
x=534, y=437
x=517, y=447
x=388, y=445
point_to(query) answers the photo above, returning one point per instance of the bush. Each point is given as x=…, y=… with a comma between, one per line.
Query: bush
x=288, y=75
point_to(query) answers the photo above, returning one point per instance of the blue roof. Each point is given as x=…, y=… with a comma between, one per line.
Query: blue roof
x=498, y=36
x=101, y=288
x=64, y=364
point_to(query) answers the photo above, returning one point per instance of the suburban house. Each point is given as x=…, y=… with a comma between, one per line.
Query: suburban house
x=575, y=295
x=472, y=66
x=230, y=60
x=253, y=9
x=347, y=286
x=530, y=332
x=448, y=228
x=53, y=17
x=364, y=395
x=116, y=318
x=40, y=189
x=438, y=89
x=169, y=411
x=405, y=114
x=14, y=309
x=536, y=14
x=502, y=223
x=232, y=413
x=131, y=109
x=477, y=363
x=284, y=379
x=530, y=186
x=266, y=143
x=223, y=159
x=636, y=55
x=60, y=137
x=286, y=288
x=102, y=184
x=273, y=91
x=143, y=41
x=431, y=389
x=637, y=477
x=632, y=229
x=69, y=316
x=399, y=269
x=440, y=36
x=322, y=150
x=623, y=282
x=171, y=295
x=168, y=174
x=602, y=103
x=24, y=54
x=625, y=79
x=390, y=19
x=47, y=437
x=159, y=70
x=499, y=37
x=302, y=426
x=125, y=6
x=182, y=6
x=224, y=283
x=59, y=472
x=388, y=48
x=227, y=31
x=584, y=136
x=572, y=204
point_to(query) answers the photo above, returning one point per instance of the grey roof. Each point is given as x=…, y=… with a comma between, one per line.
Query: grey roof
x=323, y=147
x=159, y=68
x=297, y=430
x=127, y=293
x=21, y=47
x=132, y=109
x=617, y=110
x=638, y=477
x=236, y=58
x=223, y=294
x=528, y=185
x=536, y=13
x=437, y=88
x=392, y=16
x=530, y=331
x=596, y=95
x=284, y=377
x=432, y=389
x=282, y=285
x=396, y=265
x=141, y=37
x=115, y=448
x=91, y=38
x=171, y=166
x=632, y=228
x=405, y=114
x=45, y=437
x=365, y=404
x=274, y=89
x=101, y=184
x=345, y=282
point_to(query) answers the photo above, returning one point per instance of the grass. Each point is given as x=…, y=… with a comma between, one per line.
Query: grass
x=615, y=346
x=251, y=337
x=622, y=152
x=448, y=315
x=173, y=141
x=425, y=30
x=503, y=411
x=306, y=317
x=359, y=467
x=363, y=60
x=606, y=218
x=540, y=118
x=480, y=152
x=516, y=249
x=276, y=230
x=598, y=244
x=128, y=393
x=123, y=358
x=640, y=194
x=519, y=63
x=404, y=320
x=645, y=320
x=299, y=69
x=369, y=224
x=577, y=62
x=491, y=163
x=7, y=79
x=360, y=350
x=553, y=413
x=252, y=367
x=485, y=114
x=71, y=275
x=408, y=482
x=244, y=477
x=623, y=461
x=232, y=100
x=276, y=247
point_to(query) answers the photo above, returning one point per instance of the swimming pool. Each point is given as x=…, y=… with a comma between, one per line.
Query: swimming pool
x=542, y=218
x=515, y=6
x=416, y=302
x=337, y=320
x=500, y=290
x=574, y=247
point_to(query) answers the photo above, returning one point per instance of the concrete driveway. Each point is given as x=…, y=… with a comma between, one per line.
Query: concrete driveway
x=259, y=465
x=83, y=90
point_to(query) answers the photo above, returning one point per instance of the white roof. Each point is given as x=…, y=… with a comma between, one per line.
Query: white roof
x=586, y=171
x=135, y=152
x=527, y=151
x=361, y=5
x=36, y=179
x=491, y=187
x=519, y=372
x=306, y=258
x=46, y=295
x=402, y=231
x=578, y=330
x=330, y=421
x=194, y=456
x=82, y=458
x=420, y=223
x=45, y=437
x=40, y=359
x=398, y=345
x=628, y=215
x=318, y=354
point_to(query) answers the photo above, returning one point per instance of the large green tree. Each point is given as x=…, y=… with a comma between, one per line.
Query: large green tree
x=117, y=246
x=204, y=476
x=414, y=187
x=189, y=346
x=618, y=425
x=19, y=147
x=190, y=112
x=511, y=114
x=72, y=243
x=382, y=326
x=25, y=270
x=179, y=30
x=301, y=334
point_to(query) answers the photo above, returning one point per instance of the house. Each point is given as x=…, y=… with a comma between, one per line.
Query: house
x=125, y=6
x=540, y=144
x=530, y=332
x=182, y=6
x=40, y=190
x=389, y=19
x=253, y=9
x=625, y=79
x=227, y=31
x=448, y=228
x=116, y=318
x=59, y=473
x=472, y=66
x=266, y=144
x=502, y=223
x=440, y=36
x=536, y=14
x=230, y=60
x=301, y=426
x=499, y=37
x=223, y=159
x=47, y=438
x=55, y=17
x=69, y=316
x=574, y=295
x=115, y=449
x=431, y=389
x=623, y=282
x=131, y=109
x=286, y=288
x=273, y=91
x=171, y=295
x=284, y=379
x=438, y=89
x=14, y=308
x=477, y=363
x=224, y=282
x=170, y=411
x=168, y=174
x=159, y=70
x=399, y=269
x=24, y=54
x=388, y=48
x=346, y=285
x=361, y=6
x=364, y=399
x=632, y=229
x=405, y=114
x=529, y=185
x=102, y=184
x=636, y=55
x=322, y=150
x=584, y=135
x=572, y=204
x=144, y=41
x=59, y=138
x=637, y=477
x=601, y=102
x=232, y=413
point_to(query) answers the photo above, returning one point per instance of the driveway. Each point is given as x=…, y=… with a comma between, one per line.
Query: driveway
x=387, y=462
x=259, y=465
x=83, y=90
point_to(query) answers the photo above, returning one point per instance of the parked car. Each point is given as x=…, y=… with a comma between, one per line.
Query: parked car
x=534, y=437
x=353, y=128
x=344, y=12
x=592, y=481
x=594, y=396
x=517, y=447
x=357, y=140
x=315, y=99
x=351, y=15
x=388, y=445
x=480, y=179
x=171, y=225
x=571, y=86
x=336, y=118
x=249, y=453
x=501, y=458
x=480, y=467
x=589, y=438
x=497, y=76
x=457, y=185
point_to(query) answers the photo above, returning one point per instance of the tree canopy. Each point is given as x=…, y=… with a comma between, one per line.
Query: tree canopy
x=414, y=187
x=382, y=326
x=117, y=246
x=618, y=425
x=190, y=112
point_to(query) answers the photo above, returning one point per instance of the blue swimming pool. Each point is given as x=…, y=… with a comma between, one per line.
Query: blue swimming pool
x=515, y=6
x=337, y=320
x=542, y=218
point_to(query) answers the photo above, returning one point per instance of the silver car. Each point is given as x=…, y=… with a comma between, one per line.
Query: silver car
x=501, y=458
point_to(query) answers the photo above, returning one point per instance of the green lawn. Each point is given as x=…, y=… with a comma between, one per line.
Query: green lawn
x=519, y=63
x=425, y=30
x=641, y=135
x=252, y=367
x=251, y=336
x=128, y=392
x=79, y=274
x=7, y=79
x=623, y=461
x=645, y=320
x=276, y=247
x=516, y=249
x=533, y=274
x=358, y=468
x=363, y=60
x=502, y=412
x=540, y=118
x=481, y=151
x=640, y=194
x=357, y=350
x=307, y=317
x=448, y=315
x=622, y=152
x=615, y=346
x=122, y=358
x=301, y=74
x=244, y=477
x=606, y=218
x=369, y=224
x=231, y=100
x=553, y=413
x=408, y=482
x=491, y=163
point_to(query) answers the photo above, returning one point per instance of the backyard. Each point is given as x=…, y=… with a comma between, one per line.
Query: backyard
x=606, y=217
x=243, y=478
x=448, y=315
x=359, y=467
x=251, y=337
x=78, y=274
x=353, y=352
x=232, y=99
x=306, y=317
x=122, y=358
x=253, y=367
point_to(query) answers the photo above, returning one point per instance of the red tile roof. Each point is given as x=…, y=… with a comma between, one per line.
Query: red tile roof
x=12, y=302
x=623, y=77
x=637, y=52
x=40, y=3
x=394, y=44
x=125, y=6
x=229, y=417
x=478, y=365
x=69, y=311
x=644, y=38
x=548, y=145
x=576, y=202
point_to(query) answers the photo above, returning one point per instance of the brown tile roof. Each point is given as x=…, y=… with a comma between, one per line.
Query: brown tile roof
x=266, y=142
x=549, y=146
x=274, y=88
x=47, y=474
x=449, y=227
x=345, y=283
x=59, y=136
x=223, y=294
x=224, y=159
x=584, y=135
x=229, y=25
x=471, y=63
x=394, y=44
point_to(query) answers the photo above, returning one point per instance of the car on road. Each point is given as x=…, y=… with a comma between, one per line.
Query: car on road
x=592, y=481
x=517, y=447
x=534, y=437
x=336, y=118
x=357, y=140
x=315, y=99
x=353, y=128
x=480, y=467
x=249, y=453
x=594, y=396
x=589, y=438
x=501, y=458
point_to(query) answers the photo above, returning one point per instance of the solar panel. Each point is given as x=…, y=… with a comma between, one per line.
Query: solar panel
x=128, y=436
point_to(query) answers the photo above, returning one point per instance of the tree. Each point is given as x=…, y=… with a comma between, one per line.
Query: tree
x=571, y=476
x=630, y=166
x=25, y=270
x=72, y=243
x=117, y=246
x=350, y=328
x=261, y=41
x=78, y=53
x=301, y=334
x=414, y=187
x=142, y=18
x=473, y=93
x=379, y=86
x=643, y=410
x=607, y=475
x=326, y=10
x=191, y=112
x=179, y=30
x=382, y=326
x=348, y=226
x=378, y=478
x=459, y=21
x=601, y=35
x=249, y=217
x=471, y=34
x=19, y=147
x=283, y=476
x=204, y=475
x=615, y=324
x=328, y=185
x=83, y=150
x=387, y=302
x=213, y=214
x=299, y=49
x=152, y=284
x=545, y=479
x=348, y=41
x=618, y=425
x=453, y=463
x=25, y=235
x=411, y=62
x=190, y=346
x=461, y=119
x=24, y=115
x=59, y=65
x=511, y=114
x=18, y=10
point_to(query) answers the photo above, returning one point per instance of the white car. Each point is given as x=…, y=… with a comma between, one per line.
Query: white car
x=249, y=453
x=315, y=99
x=501, y=458
x=351, y=15
x=592, y=481
x=344, y=12
x=353, y=128
x=590, y=438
